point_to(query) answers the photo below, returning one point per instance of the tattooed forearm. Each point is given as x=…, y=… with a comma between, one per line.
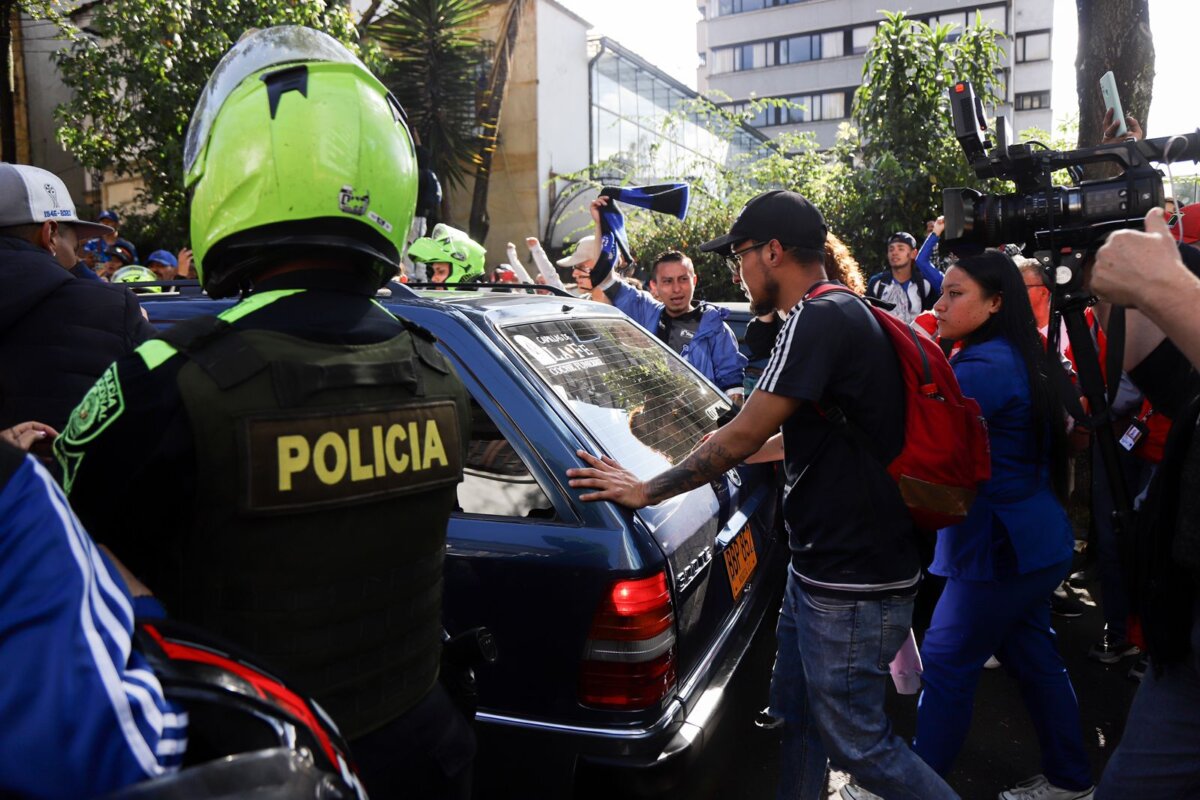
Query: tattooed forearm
x=705, y=463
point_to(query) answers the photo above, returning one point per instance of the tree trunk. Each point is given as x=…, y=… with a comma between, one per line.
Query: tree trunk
x=489, y=120
x=1113, y=35
x=8, y=123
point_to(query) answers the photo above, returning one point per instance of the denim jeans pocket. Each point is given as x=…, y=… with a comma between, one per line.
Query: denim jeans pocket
x=829, y=603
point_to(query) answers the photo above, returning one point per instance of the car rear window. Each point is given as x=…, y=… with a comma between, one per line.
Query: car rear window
x=644, y=405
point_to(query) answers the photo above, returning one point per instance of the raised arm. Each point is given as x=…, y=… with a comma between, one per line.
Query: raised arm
x=925, y=256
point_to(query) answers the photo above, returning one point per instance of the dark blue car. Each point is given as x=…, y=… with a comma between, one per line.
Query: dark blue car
x=617, y=631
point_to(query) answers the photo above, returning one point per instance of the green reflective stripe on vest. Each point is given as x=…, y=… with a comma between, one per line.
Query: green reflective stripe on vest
x=254, y=302
x=155, y=352
x=384, y=309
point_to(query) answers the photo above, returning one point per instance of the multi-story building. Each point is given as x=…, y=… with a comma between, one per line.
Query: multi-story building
x=811, y=53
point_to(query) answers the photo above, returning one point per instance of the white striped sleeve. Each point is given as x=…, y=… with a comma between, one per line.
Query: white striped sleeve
x=781, y=352
x=144, y=717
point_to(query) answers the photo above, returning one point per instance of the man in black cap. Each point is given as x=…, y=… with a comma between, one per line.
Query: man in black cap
x=855, y=565
x=909, y=293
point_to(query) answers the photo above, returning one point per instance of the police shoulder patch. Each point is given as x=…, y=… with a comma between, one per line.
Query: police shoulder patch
x=98, y=409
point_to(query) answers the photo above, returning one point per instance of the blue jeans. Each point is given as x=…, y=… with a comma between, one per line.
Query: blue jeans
x=829, y=683
x=1159, y=754
x=1011, y=619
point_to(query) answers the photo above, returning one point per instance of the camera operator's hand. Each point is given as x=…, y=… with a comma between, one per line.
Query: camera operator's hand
x=1110, y=127
x=1132, y=264
x=1146, y=271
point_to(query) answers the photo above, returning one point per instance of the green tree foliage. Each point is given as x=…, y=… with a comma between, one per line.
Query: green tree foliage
x=434, y=57
x=892, y=166
x=136, y=78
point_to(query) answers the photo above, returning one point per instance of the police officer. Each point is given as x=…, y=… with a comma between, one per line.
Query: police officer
x=451, y=255
x=282, y=474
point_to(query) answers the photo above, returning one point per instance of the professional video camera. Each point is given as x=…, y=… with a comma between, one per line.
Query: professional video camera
x=1040, y=214
x=1060, y=227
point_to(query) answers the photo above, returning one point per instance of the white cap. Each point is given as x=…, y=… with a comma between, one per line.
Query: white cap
x=33, y=195
x=584, y=251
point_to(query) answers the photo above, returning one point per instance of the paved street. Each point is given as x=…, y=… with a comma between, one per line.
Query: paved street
x=1001, y=750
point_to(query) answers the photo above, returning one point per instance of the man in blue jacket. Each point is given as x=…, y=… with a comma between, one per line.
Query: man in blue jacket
x=697, y=331
x=83, y=714
x=58, y=333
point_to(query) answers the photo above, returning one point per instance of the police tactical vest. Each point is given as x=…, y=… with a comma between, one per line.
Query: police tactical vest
x=326, y=476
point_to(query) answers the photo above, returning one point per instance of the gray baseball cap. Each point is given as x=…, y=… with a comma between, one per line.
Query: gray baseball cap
x=33, y=195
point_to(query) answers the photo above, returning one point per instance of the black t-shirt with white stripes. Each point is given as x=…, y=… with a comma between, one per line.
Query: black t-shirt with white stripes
x=849, y=529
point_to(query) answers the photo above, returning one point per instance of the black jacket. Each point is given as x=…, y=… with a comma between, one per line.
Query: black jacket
x=57, y=334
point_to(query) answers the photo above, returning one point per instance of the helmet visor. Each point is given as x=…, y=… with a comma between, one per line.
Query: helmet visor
x=285, y=44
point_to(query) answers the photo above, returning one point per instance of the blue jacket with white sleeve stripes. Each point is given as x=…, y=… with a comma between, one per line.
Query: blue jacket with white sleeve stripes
x=82, y=713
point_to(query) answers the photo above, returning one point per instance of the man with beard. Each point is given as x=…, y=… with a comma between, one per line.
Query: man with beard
x=855, y=565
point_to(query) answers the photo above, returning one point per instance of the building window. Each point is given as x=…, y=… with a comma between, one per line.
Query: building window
x=722, y=60
x=1032, y=46
x=1028, y=101
x=860, y=39
x=798, y=49
x=994, y=16
x=832, y=44
x=753, y=56
x=805, y=108
x=725, y=7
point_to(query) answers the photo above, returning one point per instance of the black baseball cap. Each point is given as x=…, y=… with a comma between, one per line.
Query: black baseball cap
x=786, y=216
x=904, y=237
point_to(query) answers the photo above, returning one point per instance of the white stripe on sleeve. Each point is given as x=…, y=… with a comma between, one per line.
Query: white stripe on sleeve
x=107, y=668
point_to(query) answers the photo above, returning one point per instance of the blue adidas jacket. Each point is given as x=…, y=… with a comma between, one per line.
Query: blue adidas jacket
x=714, y=350
x=83, y=714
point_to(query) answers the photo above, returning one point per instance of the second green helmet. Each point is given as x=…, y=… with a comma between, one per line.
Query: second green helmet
x=446, y=245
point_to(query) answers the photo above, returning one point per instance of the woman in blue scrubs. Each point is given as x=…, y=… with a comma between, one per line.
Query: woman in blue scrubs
x=1003, y=562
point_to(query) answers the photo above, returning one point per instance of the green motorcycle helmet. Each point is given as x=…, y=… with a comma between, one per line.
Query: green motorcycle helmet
x=296, y=149
x=446, y=245
x=135, y=274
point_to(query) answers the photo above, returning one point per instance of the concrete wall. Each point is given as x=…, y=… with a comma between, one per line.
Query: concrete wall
x=563, y=109
x=543, y=124
x=44, y=92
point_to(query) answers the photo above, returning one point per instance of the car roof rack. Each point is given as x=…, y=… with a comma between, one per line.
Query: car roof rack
x=470, y=285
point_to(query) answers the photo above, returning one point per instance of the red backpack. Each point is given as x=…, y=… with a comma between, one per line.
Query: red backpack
x=946, y=453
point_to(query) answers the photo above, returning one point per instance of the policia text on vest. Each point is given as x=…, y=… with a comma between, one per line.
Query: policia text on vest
x=311, y=460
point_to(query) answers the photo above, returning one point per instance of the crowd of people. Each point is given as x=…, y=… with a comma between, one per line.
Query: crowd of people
x=95, y=405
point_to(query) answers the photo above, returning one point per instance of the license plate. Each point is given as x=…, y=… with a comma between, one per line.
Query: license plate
x=740, y=561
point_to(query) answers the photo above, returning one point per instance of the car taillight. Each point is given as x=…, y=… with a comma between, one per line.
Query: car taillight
x=629, y=658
